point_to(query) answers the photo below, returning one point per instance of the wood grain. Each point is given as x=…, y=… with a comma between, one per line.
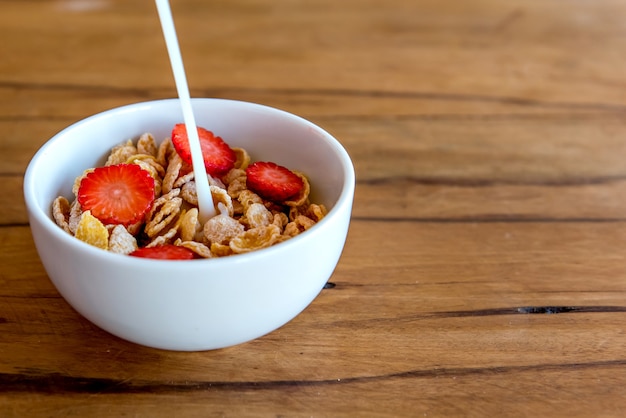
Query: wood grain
x=484, y=272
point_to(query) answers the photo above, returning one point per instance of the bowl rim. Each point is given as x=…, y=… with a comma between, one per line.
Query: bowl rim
x=38, y=213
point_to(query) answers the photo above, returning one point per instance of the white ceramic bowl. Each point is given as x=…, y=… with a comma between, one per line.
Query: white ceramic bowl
x=198, y=304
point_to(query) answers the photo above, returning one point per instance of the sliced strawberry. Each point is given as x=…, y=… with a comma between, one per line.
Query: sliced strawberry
x=165, y=252
x=272, y=181
x=218, y=156
x=117, y=194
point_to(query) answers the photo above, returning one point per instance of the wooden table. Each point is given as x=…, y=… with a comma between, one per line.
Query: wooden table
x=485, y=270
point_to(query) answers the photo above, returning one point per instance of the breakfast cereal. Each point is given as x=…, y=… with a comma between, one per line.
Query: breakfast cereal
x=125, y=214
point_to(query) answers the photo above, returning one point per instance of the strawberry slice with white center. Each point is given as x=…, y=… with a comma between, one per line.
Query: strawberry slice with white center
x=117, y=194
x=218, y=157
x=272, y=181
x=165, y=252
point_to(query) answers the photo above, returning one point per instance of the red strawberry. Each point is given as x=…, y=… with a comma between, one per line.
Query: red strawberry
x=165, y=252
x=272, y=181
x=218, y=156
x=117, y=194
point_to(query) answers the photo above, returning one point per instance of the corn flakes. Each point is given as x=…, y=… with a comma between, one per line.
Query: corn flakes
x=164, y=150
x=171, y=173
x=121, y=153
x=255, y=239
x=221, y=250
x=92, y=231
x=221, y=229
x=245, y=221
x=121, y=241
x=302, y=197
x=190, y=226
x=164, y=210
x=243, y=158
x=197, y=247
x=75, y=214
x=61, y=212
x=257, y=215
x=147, y=145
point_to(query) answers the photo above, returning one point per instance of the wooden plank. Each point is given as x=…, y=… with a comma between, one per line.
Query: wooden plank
x=437, y=392
x=486, y=48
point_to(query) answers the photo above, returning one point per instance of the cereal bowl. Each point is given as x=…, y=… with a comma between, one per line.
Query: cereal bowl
x=197, y=304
